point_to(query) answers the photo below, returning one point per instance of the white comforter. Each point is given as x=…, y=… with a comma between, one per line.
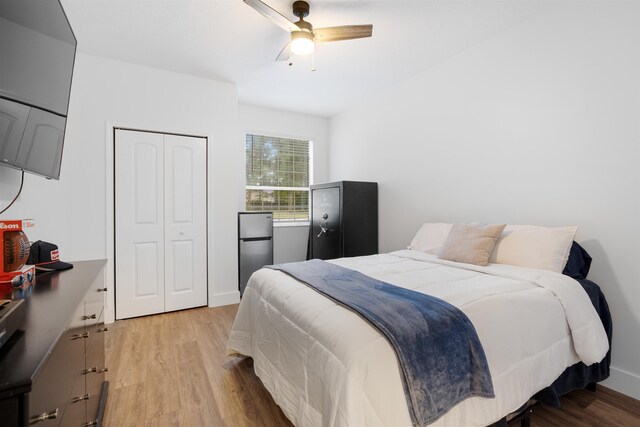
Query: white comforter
x=326, y=366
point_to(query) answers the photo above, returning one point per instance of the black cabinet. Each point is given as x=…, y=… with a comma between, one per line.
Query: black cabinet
x=344, y=219
x=52, y=371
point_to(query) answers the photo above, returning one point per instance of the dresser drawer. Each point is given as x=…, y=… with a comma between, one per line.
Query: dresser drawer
x=53, y=385
x=93, y=311
x=95, y=362
x=76, y=408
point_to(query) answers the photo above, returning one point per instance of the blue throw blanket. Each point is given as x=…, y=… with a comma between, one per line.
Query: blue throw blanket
x=441, y=359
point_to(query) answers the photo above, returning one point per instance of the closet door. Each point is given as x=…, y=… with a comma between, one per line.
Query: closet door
x=139, y=223
x=161, y=223
x=185, y=222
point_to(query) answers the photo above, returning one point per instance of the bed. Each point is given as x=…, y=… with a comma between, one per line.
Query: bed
x=325, y=365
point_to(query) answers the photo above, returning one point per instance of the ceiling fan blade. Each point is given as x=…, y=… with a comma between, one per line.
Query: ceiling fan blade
x=345, y=32
x=285, y=53
x=273, y=15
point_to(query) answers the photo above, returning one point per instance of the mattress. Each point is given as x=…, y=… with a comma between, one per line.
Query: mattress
x=326, y=366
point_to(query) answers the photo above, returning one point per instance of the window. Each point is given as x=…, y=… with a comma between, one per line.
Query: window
x=278, y=175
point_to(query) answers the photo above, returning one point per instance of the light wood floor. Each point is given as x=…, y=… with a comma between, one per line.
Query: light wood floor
x=171, y=370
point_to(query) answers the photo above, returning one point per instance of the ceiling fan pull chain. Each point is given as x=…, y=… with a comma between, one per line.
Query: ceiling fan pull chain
x=313, y=61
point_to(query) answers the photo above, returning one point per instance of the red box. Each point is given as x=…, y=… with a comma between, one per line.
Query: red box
x=23, y=225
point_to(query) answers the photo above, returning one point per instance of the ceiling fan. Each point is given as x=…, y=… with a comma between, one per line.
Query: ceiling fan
x=303, y=36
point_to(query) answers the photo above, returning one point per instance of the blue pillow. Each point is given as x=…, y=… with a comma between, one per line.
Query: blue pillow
x=578, y=263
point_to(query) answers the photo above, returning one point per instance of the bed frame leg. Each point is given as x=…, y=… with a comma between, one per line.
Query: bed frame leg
x=526, y=419
x=591, y=387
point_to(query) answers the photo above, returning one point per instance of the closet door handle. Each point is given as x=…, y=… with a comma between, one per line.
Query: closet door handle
x=103, y=330
x=44, y=417
x=103, y=370
x=88, y=371
x=102, y=289
x=91, y=316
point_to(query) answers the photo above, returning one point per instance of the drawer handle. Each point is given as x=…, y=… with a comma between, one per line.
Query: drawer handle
x=88, y=371
x=102, y=289
x=44, y=417
x=103, y=370
x=90, y=423
x=103, y=329
x=81, y=398
x=91, y=316
x=78, y=336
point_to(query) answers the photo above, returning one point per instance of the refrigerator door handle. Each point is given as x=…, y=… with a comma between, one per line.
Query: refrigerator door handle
x=255, y=239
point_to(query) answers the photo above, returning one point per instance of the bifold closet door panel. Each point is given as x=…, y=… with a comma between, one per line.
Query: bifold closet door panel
x=139, y=223
x=185, y=222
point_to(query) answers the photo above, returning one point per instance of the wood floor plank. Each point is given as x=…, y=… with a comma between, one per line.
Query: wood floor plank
x=620, y=401
x=202, y=417
x=214, y=357
x=583, y=408
x=132, y=364
x=235, y=392
x=204, y=314
x=171, y=419
x=600, y=413
x=254, y=392
x=238, y=420
x=197, y=398
x=172, y=370
x=125, y=407
x=162, y=394
x=181, y=329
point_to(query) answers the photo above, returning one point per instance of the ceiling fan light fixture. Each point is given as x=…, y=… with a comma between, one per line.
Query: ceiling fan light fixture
x=303, y=36
x=302, y=43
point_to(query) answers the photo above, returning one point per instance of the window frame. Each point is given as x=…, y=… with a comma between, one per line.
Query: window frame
x=281, y=222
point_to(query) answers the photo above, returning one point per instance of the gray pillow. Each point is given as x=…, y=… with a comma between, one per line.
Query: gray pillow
x=471, y=243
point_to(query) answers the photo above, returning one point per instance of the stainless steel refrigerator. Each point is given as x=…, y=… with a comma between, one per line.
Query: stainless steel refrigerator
x=255, y=244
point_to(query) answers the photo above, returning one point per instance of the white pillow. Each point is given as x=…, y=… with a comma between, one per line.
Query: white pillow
x=430, y=238
x=532, y=246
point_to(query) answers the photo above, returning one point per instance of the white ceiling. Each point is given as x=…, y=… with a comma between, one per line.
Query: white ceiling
x=227, y=40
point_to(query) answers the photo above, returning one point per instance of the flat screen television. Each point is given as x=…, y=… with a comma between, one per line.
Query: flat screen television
x=37, y=53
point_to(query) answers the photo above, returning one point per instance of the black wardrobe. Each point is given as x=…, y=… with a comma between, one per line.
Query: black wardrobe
x=344, y=219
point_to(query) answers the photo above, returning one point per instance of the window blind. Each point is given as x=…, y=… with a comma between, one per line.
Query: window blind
x=277, y=176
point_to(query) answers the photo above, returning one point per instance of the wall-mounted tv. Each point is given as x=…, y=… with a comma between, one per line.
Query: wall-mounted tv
x=37, y=53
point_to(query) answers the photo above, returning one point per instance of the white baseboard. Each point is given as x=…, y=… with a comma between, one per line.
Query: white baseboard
x=216, y=300
x=225, y=298
x=624, y=382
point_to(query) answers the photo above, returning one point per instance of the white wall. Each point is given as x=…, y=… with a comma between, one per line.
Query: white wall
x=540, y=124
x=290, y=242
x=75, y=212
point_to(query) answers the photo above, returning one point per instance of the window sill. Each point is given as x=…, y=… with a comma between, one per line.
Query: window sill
x=283, y=224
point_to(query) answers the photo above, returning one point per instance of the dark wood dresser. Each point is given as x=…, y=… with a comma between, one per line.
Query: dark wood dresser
x=52, y=371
